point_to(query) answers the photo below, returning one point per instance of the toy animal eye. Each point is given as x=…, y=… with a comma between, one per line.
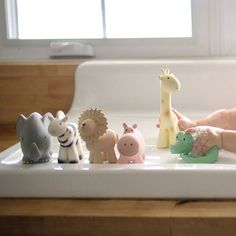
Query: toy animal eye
x=126, y=130
x=184, y=139
x=60, y=123
x=177, y=136
x=168, y=77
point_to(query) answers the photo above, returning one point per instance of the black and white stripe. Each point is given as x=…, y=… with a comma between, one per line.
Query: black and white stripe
x=69, y=137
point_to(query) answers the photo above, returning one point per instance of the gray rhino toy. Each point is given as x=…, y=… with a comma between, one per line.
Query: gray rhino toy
x=34, y=137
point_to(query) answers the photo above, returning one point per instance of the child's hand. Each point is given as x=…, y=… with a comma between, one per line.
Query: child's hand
x=183, y=121
x=207, y=137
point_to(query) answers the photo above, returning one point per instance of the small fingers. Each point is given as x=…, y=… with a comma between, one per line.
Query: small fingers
x=206, y=139
x=200, y=145
x=214, y=139
x=191, y=130
x=179, y=116
x=182, y=124
x=206, y=147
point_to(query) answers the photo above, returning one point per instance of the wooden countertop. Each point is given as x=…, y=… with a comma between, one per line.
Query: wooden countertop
x=113, y=216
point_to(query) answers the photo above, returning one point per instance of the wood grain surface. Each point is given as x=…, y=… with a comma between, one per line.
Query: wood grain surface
x=25, y=88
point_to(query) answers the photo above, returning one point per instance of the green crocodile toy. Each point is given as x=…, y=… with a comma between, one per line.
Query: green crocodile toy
x=183, y=146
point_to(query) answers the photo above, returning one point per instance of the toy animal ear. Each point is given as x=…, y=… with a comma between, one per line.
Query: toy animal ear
x=162, y=74
x=60, y=115
x=20, y=124
x=64, y=119
x=51, y=118
x=167, y=71
x=47, y=118
x=134, y=126
x=125, y=125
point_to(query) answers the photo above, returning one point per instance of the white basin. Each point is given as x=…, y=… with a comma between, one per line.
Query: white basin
x=128, y=91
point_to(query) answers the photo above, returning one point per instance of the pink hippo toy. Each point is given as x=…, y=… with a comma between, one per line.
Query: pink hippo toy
x=131, y=145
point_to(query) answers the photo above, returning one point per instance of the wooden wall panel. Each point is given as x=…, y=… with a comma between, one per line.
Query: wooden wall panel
x=42, y=87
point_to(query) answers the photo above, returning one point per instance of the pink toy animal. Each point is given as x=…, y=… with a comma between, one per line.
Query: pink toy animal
x=131, y=145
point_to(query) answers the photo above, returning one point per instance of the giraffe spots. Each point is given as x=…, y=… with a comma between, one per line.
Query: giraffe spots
x=167, y=113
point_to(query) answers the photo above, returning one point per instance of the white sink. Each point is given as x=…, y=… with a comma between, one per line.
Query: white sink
x=128, y=91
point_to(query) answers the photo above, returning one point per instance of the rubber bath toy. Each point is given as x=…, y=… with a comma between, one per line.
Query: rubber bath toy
x=34, y=137
x=131, y=145
x=168, y=121
x=183, y=146
x=100, y=141
x=67, y=134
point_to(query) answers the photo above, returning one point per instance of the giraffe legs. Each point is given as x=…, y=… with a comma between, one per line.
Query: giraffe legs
x=167, y=137
x=163, y=139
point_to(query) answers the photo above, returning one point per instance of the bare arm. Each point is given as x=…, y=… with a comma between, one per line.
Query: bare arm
x=224, y=119
x=229, y=140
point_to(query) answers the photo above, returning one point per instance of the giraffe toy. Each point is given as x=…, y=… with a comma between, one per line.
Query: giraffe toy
x=168, y=121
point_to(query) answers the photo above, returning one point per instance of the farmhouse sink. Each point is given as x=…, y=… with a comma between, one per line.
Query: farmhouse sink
x=129, y=91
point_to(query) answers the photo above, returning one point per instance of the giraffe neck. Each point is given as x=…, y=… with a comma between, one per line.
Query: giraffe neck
x=165, y=101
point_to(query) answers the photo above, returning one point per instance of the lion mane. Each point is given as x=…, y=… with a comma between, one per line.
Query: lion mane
x=100, y=121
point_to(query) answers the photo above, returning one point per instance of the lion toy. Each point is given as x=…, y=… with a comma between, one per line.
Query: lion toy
x=100, y=141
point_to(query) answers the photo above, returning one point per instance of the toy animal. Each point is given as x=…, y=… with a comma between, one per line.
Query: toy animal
x=183, y=146
x=168, y=121
x=67, y=134
x=34, y=137
x=131, y=145
x=100, y=140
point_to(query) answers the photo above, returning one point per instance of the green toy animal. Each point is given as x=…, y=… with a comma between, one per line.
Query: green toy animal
x=183, y=146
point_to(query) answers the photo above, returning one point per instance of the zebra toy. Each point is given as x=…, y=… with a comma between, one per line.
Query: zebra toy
x=67, y=134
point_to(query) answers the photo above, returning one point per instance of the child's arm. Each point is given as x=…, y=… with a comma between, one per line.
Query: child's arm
x=224, y=119
x=229, y=140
